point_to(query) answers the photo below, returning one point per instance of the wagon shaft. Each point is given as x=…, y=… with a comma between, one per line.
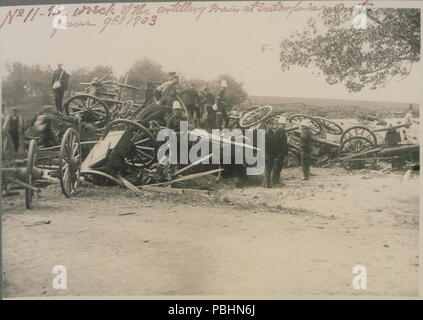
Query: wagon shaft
x=20, y=173
x=400, y=151
x=398, y=126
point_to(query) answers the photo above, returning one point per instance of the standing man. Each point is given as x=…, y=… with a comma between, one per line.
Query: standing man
x=60, y=85
x=305, y=149
x=281, y=146
x=13, y=125
x=222, y=118
x=167, y=92
x=270, y=154
x=193, y=104
x=209, y=113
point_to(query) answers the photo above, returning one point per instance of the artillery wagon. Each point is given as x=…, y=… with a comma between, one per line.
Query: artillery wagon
x=102, y=101
x=322, y=149
x=357, y=148
x=40, y=161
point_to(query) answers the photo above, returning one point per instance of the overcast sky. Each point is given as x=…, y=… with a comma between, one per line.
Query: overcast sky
x=243, y=45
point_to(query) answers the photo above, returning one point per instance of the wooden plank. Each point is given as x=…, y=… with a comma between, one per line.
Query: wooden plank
x=188, y=177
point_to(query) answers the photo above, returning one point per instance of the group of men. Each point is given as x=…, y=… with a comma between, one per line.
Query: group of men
x=204, y=108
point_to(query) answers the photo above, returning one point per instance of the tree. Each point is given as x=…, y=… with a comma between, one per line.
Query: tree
x=26, y=82
x=387, y=47
x=141, y=72
x=235, y=93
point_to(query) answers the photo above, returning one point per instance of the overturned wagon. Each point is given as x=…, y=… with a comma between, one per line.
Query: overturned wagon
x=102, y=101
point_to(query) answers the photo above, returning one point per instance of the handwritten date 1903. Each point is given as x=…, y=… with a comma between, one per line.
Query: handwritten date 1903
x=132, y=21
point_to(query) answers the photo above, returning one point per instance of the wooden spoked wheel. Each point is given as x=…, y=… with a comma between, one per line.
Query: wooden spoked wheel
x=255, y=116
x=356, y=153
x=330, y=126
x=70, y=162
x=143, y=149
x=89, y=108
x=30, y=164
x=359, y=131
x=313, y=124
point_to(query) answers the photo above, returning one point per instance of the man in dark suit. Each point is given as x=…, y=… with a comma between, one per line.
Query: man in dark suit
x=209, y=114
x=193, y=104
x=281, y=146
x=13, y=125
x=270, y=152
x=305, y=149
x=60, y=85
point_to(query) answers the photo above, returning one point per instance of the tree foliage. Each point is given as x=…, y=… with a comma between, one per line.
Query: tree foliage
x=235, y=93
x=34, y=83
x=387, y=47
x=23, y=82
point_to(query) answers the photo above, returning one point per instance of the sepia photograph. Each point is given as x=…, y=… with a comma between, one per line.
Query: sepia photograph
x=196, y=149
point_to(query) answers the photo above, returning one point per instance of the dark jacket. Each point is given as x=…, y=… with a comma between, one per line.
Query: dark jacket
x=281, y=144
x=63, y=79
x=169, y=92
x=207, y=100
x=220, y=100
x=174, y=122
x=270, y=143
x=192, y=97
x=305, y=141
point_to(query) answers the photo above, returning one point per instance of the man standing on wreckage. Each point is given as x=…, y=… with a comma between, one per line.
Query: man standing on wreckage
x=167, y=95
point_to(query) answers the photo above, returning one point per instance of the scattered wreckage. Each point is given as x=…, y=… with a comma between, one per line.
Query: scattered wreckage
x=358, y=146
x=104, y=140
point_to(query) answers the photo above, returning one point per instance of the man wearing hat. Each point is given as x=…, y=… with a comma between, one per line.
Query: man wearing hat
x=305, y=149
x=166, y=93
x=192, y=103
x=59, y=85
x=281, y=150
x=209, y=114
x=177, y=116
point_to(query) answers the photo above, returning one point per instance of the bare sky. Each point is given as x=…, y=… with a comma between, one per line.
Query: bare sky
x=242, y=44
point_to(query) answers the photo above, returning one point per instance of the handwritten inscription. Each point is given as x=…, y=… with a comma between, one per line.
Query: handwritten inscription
x=147, y=14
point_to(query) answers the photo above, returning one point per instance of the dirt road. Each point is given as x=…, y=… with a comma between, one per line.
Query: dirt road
x=303, y=238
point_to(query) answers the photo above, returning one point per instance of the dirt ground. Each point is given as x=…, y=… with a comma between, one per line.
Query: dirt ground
x=302, y=238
